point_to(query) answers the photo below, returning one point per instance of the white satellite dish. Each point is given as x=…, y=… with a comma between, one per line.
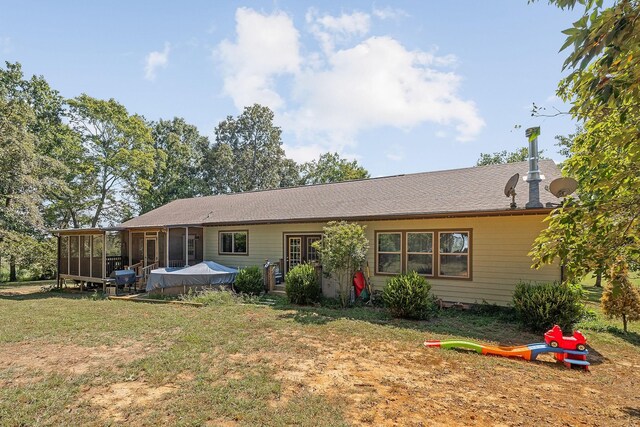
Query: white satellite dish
x=562, y=187
x=510, y=189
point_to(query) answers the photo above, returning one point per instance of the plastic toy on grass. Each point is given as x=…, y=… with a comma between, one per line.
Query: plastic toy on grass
x=554, y=338
x=569, y=350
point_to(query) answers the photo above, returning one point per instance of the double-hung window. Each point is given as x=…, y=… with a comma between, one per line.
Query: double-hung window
x=389, y=253
x=454, y=254
x=233, y=242
x=420, y=252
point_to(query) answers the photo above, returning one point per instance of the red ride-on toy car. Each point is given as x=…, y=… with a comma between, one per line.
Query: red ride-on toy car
x=554, y=338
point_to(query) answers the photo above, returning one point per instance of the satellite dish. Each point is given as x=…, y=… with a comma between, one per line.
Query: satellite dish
x=510, y=189
x=562, y=187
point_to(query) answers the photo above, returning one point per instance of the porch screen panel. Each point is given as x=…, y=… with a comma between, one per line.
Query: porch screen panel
x=64, y=255
x=176, y=247
x=137, y=247
x=85, y=255
x=96, y=258
x=74, y=245
x=162, y=249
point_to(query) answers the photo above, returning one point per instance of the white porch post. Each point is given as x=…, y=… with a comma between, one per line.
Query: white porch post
x=130, y=249
x=90, y=237
x=167, y=250
x=186, y=244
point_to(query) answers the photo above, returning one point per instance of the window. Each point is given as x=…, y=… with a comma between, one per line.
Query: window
x=438, y=254
x=454, y=254
x=420, y=253
x=233, y=242
x=191, y=247
x=389, y=253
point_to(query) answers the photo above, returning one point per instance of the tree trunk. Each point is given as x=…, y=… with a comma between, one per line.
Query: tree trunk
x=12, y=270
x=598, y=280
x=624, y=323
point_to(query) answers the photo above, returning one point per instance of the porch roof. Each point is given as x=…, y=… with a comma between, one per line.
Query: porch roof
x=471, y=191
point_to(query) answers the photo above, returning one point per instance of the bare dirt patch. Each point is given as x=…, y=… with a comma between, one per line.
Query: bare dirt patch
x=391, y=384
x=116, y=400
x=26, y=358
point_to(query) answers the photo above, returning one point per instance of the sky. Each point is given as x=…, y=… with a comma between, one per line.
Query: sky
x=401, y=86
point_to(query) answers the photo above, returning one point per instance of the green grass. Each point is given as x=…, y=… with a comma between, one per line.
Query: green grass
x=221, y=360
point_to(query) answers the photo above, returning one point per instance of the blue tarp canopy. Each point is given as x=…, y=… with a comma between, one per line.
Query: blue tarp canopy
x=203, y=274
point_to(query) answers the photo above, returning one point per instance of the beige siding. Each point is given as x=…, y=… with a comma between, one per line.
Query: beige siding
x=499, y=249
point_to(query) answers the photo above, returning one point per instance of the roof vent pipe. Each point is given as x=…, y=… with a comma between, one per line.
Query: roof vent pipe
x=533, y=176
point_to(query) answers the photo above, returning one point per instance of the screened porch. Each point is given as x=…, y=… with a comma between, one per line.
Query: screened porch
x=91, y=255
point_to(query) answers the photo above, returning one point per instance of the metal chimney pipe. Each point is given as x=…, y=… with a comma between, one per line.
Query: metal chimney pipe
x=533, y=176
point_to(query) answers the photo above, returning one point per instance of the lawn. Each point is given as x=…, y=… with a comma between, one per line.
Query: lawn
x=71, y=359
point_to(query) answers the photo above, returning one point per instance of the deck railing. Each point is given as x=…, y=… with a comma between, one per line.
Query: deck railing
x=114, y=262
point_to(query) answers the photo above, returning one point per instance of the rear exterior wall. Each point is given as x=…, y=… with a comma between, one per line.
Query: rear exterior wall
x=499, y=252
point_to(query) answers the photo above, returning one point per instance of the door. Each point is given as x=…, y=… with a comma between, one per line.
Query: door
x=300, y=250
x=150, y=251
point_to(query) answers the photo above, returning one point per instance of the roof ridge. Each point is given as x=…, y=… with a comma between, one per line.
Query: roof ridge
x=351, y=181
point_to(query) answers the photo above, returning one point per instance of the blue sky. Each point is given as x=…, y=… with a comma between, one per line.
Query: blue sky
x=403, y=86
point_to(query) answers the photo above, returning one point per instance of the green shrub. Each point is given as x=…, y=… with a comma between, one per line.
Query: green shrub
x=540, y=306
x=301, y=284
x=408, y=296
x=249, y=281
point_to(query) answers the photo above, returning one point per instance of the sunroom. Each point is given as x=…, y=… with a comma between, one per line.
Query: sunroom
x=91, y=255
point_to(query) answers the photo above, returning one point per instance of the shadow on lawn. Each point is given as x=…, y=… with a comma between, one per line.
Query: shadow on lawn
x=67, y=294
x=495, y=325
x=632, y=412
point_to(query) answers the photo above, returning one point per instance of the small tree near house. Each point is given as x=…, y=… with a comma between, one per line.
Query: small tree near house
x=620, y=297
x=343, y=250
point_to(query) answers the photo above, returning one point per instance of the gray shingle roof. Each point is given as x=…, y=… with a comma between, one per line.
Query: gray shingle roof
x=474, y=190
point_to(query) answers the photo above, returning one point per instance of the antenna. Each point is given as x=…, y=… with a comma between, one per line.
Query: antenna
x=510, y=189
x=562, y=187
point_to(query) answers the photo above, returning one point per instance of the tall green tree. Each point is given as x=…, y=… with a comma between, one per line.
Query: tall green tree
x=118, y=158
x=178, y=151
x=330, y=167
x=504, y=156
x=247, y=154
x=29, y=124
x=603, y=87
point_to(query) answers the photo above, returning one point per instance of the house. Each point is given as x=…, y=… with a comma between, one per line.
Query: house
x=455, y=227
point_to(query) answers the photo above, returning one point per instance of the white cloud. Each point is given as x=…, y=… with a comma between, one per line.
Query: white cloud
x=331, y=30
x=5, y=44
x=334, y=94
x=266, y=46
x=155, y=60
x=389, y=13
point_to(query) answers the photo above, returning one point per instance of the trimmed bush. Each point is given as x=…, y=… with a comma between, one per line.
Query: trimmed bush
x=301, y=284
x=540, y=306
x=249, y=281
x=408, y=296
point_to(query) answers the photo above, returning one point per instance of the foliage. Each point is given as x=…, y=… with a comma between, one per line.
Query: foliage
x=29, y=130
x=118, y=155
x=249, y=281
x=301, y=284
x=247, y=154
x=331, y=168
x=500, y=157
x=210, y=297
x=620, y=297
x=408, y=296
x=342, y=251
x=540, y=306
x=178, y=155
x=601, y=224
